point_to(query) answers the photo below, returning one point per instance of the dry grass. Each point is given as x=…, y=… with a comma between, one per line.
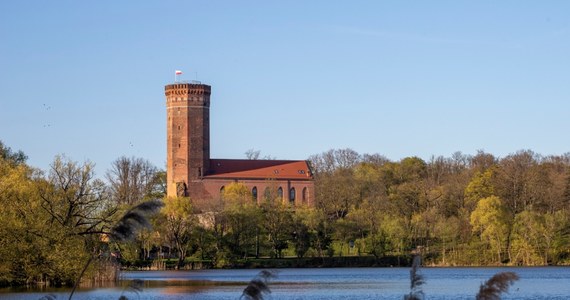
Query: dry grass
x=496, y=285
x=416, y=280
x=258, y=286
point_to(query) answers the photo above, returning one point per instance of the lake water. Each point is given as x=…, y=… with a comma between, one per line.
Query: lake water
x=335, y=283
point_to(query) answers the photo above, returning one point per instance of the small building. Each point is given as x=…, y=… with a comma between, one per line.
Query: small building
x=192, y=173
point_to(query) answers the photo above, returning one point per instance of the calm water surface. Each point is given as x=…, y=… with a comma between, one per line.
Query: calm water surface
x=336, y=283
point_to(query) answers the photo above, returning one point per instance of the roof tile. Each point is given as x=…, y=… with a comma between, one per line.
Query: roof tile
x=259, y=169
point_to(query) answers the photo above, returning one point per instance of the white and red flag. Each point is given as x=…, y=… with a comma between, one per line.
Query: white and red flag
x=177, y=72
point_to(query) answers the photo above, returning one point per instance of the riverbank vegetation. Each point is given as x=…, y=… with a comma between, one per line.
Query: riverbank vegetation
x=459, y=210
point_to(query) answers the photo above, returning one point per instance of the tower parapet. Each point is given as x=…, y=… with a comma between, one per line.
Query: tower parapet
x=178, y=92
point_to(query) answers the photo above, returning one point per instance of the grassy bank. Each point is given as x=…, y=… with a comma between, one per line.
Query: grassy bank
x=273, y=263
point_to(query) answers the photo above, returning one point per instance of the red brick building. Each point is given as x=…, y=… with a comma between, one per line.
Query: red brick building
x=192, y=173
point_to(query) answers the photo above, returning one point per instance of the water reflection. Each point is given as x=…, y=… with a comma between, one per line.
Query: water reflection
x=345, y=283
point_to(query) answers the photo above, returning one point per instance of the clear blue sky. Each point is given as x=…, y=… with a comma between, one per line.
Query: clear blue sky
x=289, y=78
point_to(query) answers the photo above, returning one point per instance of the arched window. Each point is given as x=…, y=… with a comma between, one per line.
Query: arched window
x=292, y=196
x=254, y=193
x=280, y=193
x=222, y=190
x=305, y=196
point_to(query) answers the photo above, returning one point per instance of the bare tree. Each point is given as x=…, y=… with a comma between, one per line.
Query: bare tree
x=252, y=154
x=133, y=180
x=334, y=159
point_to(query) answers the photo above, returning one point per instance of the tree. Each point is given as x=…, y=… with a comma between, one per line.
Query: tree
x=481, y=186
x=535, y=236
x=447, y=231
x=513, y=179
x=318, y=228
x=527, y=241
x=336, y=192
x=133, y=180
x=52, y=225
x=252, y=154
x=10, y=157
x=277, y=220
x=301, y=236
x=242, y=217
x=334, y=159
x=364, y=226
x=482, y=161
x=75, y=199
x=179, y=223
x=492, y=222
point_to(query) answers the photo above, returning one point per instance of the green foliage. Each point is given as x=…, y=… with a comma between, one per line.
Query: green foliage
x=10, y=157
x=459, y=210
x=277, y=220
x=491, y=220
x=178, y=225
x=49, y=225
x=480, y=186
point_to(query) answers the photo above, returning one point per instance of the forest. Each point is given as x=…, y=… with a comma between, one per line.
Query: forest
x=463, y=210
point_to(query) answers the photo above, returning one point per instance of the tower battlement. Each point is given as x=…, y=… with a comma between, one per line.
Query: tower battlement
x=181, y=89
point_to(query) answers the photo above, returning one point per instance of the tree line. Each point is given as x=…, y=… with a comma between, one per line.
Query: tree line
x=462, y=210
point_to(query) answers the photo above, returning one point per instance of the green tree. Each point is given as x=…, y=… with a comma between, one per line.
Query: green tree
x=243, y=217
x=447, y=231
x=74, y=199
x=481, y=186
x=528, y=229
x=10, y=157
x=51, y=226
x=301, y=235
x=277, y=220
x=536, y=236
x=492, y=222
x=179, y=223
x=318, y=228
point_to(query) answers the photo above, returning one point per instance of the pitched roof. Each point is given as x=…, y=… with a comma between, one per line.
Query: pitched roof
x=260, y=169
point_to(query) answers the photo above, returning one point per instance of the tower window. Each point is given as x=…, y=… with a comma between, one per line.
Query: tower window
x=178, y=127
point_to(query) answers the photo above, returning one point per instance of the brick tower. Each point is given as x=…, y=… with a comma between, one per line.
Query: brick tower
x=188, y=138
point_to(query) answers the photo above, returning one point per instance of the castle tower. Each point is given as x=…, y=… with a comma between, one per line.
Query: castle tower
x=188, y=137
